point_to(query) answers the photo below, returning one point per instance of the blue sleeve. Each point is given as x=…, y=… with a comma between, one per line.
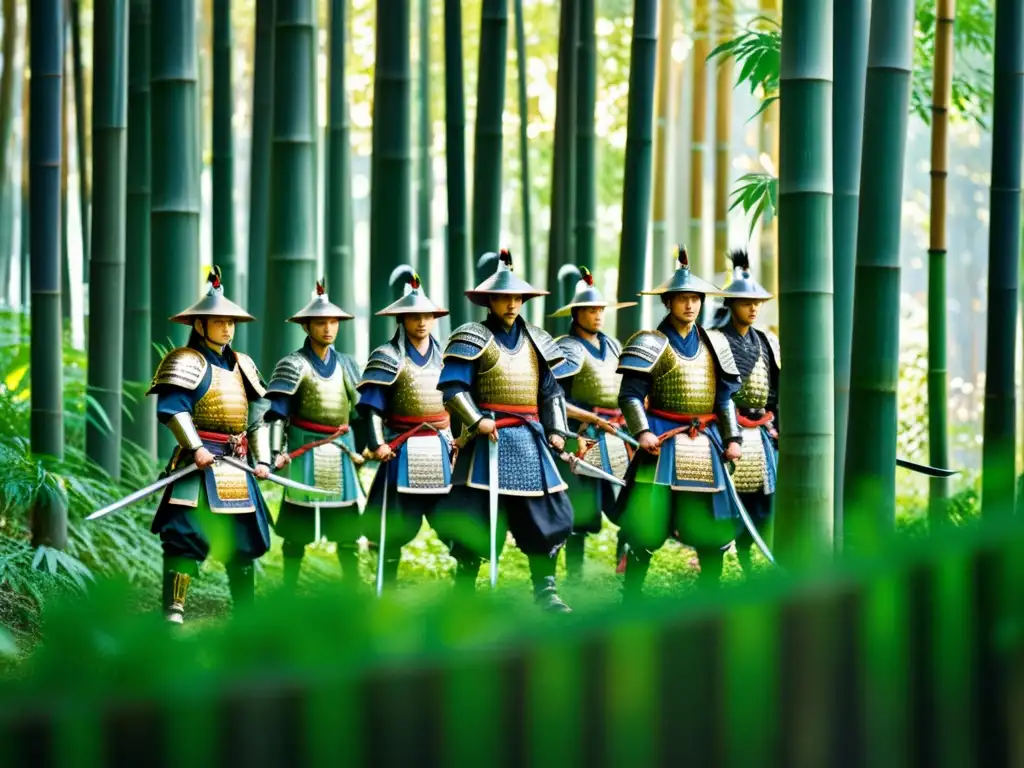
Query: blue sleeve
x=456, y=376
x=280, y=407
x=727, y=386
x=373, y=397
x=634, y=386
x=549, y=386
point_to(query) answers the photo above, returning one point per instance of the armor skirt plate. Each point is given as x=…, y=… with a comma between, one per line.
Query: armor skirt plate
x=525, y=465
x=326, y=466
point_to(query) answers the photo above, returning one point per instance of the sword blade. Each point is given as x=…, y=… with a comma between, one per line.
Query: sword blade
x=747, y=522
x=492, y=499
x=583, y=468
x=383, y=534
x=230, y=460
x=142, y=493
x=924, y=469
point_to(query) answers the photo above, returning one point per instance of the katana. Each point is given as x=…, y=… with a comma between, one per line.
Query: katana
x=583, y=468
x=924, y=469
x=747, y=522
x=142, y=493
x=233, y=462
x=492, y=503
x=383, y=534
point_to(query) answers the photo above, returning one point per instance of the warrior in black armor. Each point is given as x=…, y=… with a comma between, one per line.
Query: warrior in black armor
x=497, y=381
x=758, y=359
x=207, y=395
x=409, y=427
x=591, y=381
x=312, y=402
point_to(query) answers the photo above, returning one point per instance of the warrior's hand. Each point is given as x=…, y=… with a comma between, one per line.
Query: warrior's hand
x=773, y=433
x=489, y=428
x=733, y=451
x=203, y=458
x=649, y=442
x=557, y=442
x=262, y=471
x=582, y=445
x=281, y=460
x=384, y=453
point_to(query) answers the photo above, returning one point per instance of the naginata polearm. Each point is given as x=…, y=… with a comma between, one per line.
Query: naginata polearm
x=925, y=469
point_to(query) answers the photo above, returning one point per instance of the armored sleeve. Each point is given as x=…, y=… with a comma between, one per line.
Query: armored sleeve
x=632, y=392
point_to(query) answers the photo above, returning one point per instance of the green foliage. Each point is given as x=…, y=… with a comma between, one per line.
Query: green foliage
x=758, y=52
x=758, y=195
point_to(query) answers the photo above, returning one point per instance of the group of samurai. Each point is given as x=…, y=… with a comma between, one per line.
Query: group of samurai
x=504, y=430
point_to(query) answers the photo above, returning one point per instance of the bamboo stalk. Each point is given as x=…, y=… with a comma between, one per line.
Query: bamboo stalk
x=660, y=244
x=141, y=426
x=698, y=140
x=723, y=129
x=938, y=377
x=106, y=295
x=869, y=491
x=455, y=158
x=223, y=171
x=490, y=104
x=425, y=193
x=998, y=455
x=526, y=190
x=26, y=223
x=804, y=491
x=769, y=239
x=586, y=172
x=81, y=144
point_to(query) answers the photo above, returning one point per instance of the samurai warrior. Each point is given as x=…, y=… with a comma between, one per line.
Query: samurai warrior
x=208, y=396
x=676, y=395
x=497, y=381
x=313, y=397
x=590, y=380
x=409, y=426
x=758, y=359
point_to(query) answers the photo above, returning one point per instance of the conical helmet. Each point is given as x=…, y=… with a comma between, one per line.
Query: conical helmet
x=503, y=281
x=587, y=294
x=319, y=307
x=415, y=301
x=683, y=281
x=743, y=286
x=213, y=304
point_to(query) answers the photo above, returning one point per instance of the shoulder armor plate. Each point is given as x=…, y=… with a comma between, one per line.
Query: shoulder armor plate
x=613, y=344
x=468, y=341
x=723, y=351
x=774, y=346
x=573, y=352
x=643, y=348
x=251, y=373
x=383, y=366
x=182, y=367
x=288, y=374
x=545, y=345
x=350, y=366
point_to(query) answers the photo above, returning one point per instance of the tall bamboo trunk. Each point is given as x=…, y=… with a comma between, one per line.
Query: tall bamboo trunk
x=106, y=294
x=65, y=251
x=998, y=459
x=769, y=238
x=425, y=191
x=81, y=144
x=7, y=80
x=457, y=244
x=636, y=189
x=339, y=259
x=259, y=177
x=805, y=487
x=391, y=171
x=490, y=103
x=723, y=133
x=586, y=156
x=563, y=171
x=938, y=379
x=850, y=57
x=660, y=243
x=699, y=135
x=526, y=191
x=49, y=518
x=291, y=264
x=223, y=208
x=869, y=490
x=26, y=223
x=141, y=426
x=175, y=200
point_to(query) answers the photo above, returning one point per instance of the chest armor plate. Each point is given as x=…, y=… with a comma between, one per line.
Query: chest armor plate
x=597, y=383
x=224, y=407
x=415, y=391
x=508, y=378
x=324, y=400
x=753, y=392
x=684, y=385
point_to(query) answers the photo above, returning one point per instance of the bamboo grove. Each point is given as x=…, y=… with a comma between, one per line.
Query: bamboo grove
x=834, y=85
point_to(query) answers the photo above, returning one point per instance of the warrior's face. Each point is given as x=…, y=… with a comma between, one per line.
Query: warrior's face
x=590, y=319
x=418, y=326
x=744, y=312
x=685, y=307
x=323, y=330
x=218, y=331
x=506, y=308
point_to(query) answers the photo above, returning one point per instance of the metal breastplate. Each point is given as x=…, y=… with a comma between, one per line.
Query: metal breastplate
x=597, y=383
x=508, y=378
x=753, y=392
x=324, y=401
x=225, y=406
x=415, y=391
x=684, y=385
